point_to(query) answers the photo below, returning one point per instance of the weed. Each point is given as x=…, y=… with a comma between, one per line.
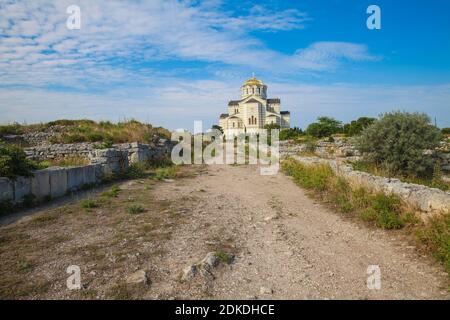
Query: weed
x=135, y=209
x=113, y=193
x=89, y=203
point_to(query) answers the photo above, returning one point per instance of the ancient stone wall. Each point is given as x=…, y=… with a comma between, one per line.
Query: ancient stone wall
x=425, y=198
x=57, y=181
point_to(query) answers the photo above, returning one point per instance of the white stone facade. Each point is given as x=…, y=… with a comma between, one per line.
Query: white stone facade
x=253, y=111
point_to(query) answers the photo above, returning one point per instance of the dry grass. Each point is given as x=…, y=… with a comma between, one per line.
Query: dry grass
x=73, y=160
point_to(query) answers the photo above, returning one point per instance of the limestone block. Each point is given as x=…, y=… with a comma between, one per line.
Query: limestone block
x=75, y=178
x=6, y=189
x=22, y=187
x=58, y=181
x=40, y=184
x=90, y=174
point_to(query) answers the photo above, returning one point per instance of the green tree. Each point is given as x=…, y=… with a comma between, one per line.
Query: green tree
x=357, y=126
x=397, y=142
x=290, y=133
x=324, y=127
x=14, y=163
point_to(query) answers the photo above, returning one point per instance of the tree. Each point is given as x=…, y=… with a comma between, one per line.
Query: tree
x=14, y=163
x=325, y=127
x=445, y=131
x=290, y=133
x=397, y=142
x=357, y=126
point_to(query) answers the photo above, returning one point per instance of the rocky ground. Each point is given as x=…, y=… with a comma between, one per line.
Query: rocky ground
x=214, y=232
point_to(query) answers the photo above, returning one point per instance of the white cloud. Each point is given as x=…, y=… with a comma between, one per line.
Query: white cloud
x=38, y=44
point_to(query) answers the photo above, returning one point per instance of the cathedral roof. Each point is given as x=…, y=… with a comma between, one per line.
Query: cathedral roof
x=234, y=102
x=273, y=100
x=253, y=82
x=224, y=115
x=252, y=100
x=285, y=112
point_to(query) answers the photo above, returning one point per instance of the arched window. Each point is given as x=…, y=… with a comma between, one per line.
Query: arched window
x=255, y=121
x=249, y=121
x=233, y=124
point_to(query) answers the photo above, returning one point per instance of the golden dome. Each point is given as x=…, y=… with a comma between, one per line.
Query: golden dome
x=253, y=82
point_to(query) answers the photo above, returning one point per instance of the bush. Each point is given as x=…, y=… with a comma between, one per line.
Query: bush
x=14, y=163
x=397, y=141
x=291, y=133
x=165, y=173
x=325, y=127
x=89, y=204
x=113, y=193
x=6, y=206
x=445, y=131
x=356, y=127
x=135, y=209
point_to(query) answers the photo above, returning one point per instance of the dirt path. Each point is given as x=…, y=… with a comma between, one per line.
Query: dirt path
x=286, y=246
x=287, y=243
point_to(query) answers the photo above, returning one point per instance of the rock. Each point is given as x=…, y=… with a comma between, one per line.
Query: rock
x=189, y=273
x=271, y=218
x=138, y=277
x=210, y=261
x=264, y=290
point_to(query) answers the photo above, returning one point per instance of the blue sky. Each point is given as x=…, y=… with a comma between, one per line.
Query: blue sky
x=172, y=62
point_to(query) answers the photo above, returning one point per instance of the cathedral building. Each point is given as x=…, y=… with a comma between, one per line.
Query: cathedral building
x=253, y=111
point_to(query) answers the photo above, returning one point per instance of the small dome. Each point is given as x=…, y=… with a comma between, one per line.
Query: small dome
x=253, y=82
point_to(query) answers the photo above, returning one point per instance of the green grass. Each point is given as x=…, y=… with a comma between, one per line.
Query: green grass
x=165, y=173
x=385, y=211
x=435, y=236
x=90, y=203
x=135, y=209
x=112, y=193
x=224, y=256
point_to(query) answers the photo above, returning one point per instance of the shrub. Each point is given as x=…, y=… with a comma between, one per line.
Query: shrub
x=6, y=206
x=445, y=131
x=165, y=173
x=397, y=142
x=325, y=127
x=386, y=208
x=89, y=204
x=135, y=209
x=113, y=193
x=291, y=133
x=136, y=170
x=357, y=126
x=14, y=163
